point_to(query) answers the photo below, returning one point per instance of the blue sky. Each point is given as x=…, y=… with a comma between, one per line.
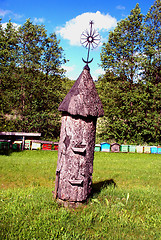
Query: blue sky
x=69, y=19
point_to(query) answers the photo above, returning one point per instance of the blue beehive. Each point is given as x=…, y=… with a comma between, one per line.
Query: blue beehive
x=153, y=149
x=105, y=147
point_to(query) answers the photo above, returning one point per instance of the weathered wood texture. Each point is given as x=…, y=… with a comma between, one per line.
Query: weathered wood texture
x=83, y=98
x=80, y=108
x=115, y=147
x=75, y=158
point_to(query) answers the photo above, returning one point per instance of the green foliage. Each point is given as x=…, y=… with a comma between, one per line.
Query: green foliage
x=32, y=83
x=8, y=59
x=31, y=80
x=122, y=51
x=152, y=45
x=131, y=88
x=129, y=211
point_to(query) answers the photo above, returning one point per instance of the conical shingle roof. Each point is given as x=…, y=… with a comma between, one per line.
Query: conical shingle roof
x=83, y=99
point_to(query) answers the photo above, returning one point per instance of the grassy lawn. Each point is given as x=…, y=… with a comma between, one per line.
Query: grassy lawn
x=131, y=210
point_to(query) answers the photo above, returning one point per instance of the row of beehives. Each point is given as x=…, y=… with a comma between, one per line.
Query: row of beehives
x=29, y=145
x=115, y=147
x=38, y=145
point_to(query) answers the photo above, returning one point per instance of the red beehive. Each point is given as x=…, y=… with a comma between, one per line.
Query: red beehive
x=47, y=146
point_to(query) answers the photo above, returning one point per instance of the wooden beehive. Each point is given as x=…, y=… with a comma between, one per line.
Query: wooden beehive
x=80, y=109
x=115, y=147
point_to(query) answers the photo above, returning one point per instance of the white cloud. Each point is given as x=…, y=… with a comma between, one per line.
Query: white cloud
x=11, y=14
x=70, y=72
x=3, y=13
x=17, y=16
x=120, y=7
x=73, y=28
x=39, y=20
x=99, y=71
x=68, y=68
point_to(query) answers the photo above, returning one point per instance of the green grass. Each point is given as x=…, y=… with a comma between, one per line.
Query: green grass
x=131, y=210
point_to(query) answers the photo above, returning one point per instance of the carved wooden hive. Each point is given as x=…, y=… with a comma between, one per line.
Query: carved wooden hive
x=80, y=109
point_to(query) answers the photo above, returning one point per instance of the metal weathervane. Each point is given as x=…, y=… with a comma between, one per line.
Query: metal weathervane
x=90, y=40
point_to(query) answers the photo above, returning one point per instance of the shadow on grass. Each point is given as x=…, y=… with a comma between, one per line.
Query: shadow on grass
x=98, y=186
x=8, y=152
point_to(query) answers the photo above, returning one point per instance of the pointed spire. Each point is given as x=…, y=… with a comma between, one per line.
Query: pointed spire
x=83, y=99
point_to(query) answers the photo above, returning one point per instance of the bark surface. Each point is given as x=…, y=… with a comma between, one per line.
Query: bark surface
x=80, y=108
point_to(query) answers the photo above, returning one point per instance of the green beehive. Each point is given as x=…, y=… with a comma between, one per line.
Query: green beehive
x=15, y=146
x=124, y=148
x=97, y=148
x=132, y=148
x=28, y=144
x=4, y=145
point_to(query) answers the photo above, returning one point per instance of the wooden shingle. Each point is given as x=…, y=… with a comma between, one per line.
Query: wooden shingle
x=83, y=99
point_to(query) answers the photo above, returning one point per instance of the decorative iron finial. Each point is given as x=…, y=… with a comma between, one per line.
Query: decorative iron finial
x=90, y=40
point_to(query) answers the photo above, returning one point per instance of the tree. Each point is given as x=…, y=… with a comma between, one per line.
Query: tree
x=8, y=60
x=130, y=89
x=41, y=79
x=52, y=58
x=151, y=64
x=120, y=120
x=30, y=51
x=36, y=78
x=121, y=57
x=121, y=54
x=152, y=44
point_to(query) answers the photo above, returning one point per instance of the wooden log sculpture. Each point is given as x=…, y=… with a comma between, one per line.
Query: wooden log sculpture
x=80, y=109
